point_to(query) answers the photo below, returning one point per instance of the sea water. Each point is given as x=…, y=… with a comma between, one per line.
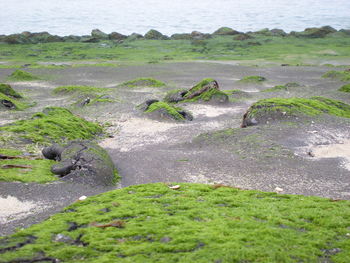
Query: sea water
x=79, y=17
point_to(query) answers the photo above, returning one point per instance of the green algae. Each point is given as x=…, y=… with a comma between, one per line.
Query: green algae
x=285, y=87
x=170, y=110
x=345, y=88
x=38, y=169
x=20, y=75
x=9, y=91
x=253, y=79
x=196, y=223
x=208, y=95
x=54, y=124
x=19, y=105
x=294, y=106
x=143, y=82
x=341, y=75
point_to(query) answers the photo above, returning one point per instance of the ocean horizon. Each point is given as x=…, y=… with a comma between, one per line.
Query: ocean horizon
x=79, y=17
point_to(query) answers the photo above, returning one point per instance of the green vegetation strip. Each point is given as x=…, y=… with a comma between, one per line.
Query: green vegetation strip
x=287, y=86
x=345, y=88
x=143, y=82
x=20, y=75
x=312, y=106
x=54, y=124
x=192, y=223
x=253, y=79
x=341, y=75
x=33, y=170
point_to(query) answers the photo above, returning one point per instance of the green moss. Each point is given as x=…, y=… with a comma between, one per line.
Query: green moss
x=20, y=75
x=78, y=89
x=287, y=86
x=196, y=223
x=19, y=105
x=38, y=169
x=345, y=88
x=341, y=75
x=169, y=109
x=205, y=96
x=253, y=79
x=143, y=82
x=54, y=124
x=9, y=91
x=291, y=106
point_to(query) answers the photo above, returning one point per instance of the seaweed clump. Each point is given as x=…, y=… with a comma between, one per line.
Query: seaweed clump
x=143, y=82
x=7, y=90
x=165, y=110
x=341, y=75
x=54, y=124
x=119, y=226
x=20, y=75
x=279, y=108
x=345, y=88
x=253, y=79
x=287, y=86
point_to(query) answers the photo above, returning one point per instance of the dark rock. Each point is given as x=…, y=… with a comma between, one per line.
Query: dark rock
x=53, y=152
x=8, y=104
x=98, y=34
x=116, y=36
x=315, y=32
x=187, y=115
x=248, y=121
x=154, y=34
x=199, y=36
x=226, y=31
x=175, y=96
x=135, y=36
x=184, y=36
x=62, y=238
x=84, y=162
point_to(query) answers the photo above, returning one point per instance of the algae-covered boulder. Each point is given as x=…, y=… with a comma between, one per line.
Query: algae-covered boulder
x=175, y=96
x=266, y=110
x=199, y=35
x=156, y=35
x=32, y=38
x=82, y=162
x=135, y=36
x=9, y=91
x=116, y=36
x=222, y=31
x=206, y=90
x=162, y=110
x=343, y=75
x=12, y=103
x=98, y=34
x=345, y=88
x=316, y=32
x=21, y=75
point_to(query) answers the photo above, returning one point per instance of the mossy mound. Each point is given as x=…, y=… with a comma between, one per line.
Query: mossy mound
x=25, y=168
x=341, y=75
x=222, y=31
x=253, y=79
x=54, y=124
x=20, y=75
x=167, y=111
x=345, y=88
x=155, y=35
x=195, y=223
x=206, y=90
x=7, y=90
x=285, y=87
x=279, y=108
x=7, y=102
x=143, y=82
x=78, y=90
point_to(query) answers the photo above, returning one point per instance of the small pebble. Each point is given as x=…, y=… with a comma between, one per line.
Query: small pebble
x=278, y=190
x=82, y=198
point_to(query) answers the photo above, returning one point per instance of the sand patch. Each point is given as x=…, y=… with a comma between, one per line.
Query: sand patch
x=339, y=150
x=12, y=208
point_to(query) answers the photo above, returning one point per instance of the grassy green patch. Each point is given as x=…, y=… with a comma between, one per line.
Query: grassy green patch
x=252, y=79
x=9, y=91
x=172, y=111
x=292, y=106
x=20, y=75
x=345, y=88
x=341, y=75
x=287, y=86
x=143, y=82
x=78, y=89
x=196, y=223
x=38, y=170
x=54, y=124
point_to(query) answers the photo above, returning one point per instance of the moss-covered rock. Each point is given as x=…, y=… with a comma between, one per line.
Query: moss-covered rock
x=316, y=32
x=11, y=103
x=253, y=79
x=9, y=91
x=195, y=223
x=163, y=110
x=345, y=88
x=175, y=96
x=156, y=35
x=143, y=82
x=279, y=108
x=54, y=124
x=206, y=90
x=117, y=36
x=343, y=75
x=82, y=162
x=20, y=75
x=222, y=31
x=288, y=86
x=98, y=34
